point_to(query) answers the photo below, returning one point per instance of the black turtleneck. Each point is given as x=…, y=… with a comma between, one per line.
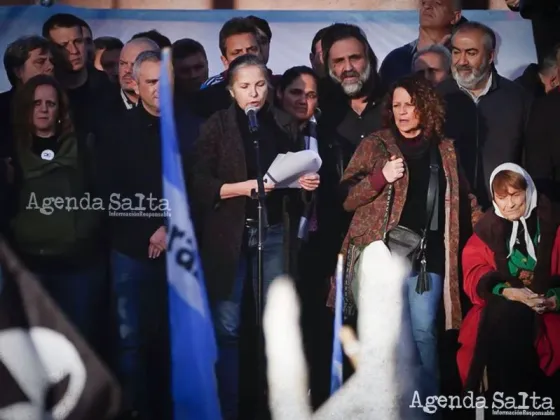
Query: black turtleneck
x=272, y=141
x=416, y=152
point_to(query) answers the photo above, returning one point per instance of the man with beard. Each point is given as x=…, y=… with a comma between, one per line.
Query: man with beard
x=350, y=97
x=486, y=113
x=350, y=100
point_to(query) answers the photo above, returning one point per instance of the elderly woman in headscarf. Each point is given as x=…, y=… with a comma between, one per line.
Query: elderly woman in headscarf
x=510, y=339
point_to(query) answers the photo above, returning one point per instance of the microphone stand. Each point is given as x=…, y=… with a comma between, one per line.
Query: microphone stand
x=262, y=224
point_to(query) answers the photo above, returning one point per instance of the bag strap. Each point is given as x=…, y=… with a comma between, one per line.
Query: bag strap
x=432, y=207
x=390, y=194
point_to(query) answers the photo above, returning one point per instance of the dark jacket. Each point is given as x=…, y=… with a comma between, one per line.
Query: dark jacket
x=6, y=130
x=83, y=100
x=129, y=161
x=531, y=81
x=219, y=158
x=43, y=228
x=543, y=145
x=397, y=64
x=339, y=134
x=487, y=133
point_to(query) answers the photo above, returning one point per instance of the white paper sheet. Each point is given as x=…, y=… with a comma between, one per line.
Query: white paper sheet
x=286, y=169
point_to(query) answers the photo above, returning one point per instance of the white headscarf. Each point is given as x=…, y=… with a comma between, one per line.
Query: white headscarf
x=531, y=204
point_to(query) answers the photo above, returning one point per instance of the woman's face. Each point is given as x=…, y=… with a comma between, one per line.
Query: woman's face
x=299, y=99
x=512, y=203
x=250, y=87
x=45, y=109
x=404, y=112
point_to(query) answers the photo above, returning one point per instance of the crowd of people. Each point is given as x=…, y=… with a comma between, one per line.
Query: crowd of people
x=431, y=149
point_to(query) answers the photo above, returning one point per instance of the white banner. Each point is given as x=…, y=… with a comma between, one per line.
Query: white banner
x=292, y=31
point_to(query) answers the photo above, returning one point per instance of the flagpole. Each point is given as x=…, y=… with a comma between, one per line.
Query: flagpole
x=336, y=363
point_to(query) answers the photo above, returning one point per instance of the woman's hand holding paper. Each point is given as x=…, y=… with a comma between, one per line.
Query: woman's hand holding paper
x=309, y=182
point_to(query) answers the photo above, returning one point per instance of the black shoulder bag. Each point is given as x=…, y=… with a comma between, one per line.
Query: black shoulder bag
x=404, y=241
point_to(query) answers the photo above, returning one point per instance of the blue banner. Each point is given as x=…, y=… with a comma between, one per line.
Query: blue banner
x=193, y=346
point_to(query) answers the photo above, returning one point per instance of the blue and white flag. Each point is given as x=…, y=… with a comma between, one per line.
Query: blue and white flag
x=336, y=364
x=193, y=346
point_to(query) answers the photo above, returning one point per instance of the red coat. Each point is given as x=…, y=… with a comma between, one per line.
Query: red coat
x=484, y=254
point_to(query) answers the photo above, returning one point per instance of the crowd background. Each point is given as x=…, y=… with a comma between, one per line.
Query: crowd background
x=82, y=116
x=515, y=33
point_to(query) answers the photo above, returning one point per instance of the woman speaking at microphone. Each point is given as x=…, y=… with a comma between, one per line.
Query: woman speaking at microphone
x=222, y=186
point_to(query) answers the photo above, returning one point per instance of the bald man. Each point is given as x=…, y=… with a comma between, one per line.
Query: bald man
x=130, y=51
x=112, y=103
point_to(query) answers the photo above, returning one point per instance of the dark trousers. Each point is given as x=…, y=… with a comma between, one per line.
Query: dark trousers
x=140, y=291
x=82, y=295
x=317, y=318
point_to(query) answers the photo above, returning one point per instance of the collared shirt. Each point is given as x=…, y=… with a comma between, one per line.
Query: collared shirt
x=344, y=127
x=474, y=97
x=127, y=102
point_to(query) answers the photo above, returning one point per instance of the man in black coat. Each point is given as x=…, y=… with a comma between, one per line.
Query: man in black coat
x=131, y=161
x=543, y=145
x=486, y=113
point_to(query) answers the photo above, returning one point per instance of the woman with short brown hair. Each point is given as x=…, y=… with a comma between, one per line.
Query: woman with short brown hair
x=511, y=274
x=405, y=180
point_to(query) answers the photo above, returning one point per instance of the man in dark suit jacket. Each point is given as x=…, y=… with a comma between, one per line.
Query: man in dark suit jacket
x=543, y=145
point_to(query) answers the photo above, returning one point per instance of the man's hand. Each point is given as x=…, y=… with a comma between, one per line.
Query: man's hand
x=157, y=243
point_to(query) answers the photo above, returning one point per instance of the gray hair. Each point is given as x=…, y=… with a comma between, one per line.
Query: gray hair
x=147, y=42
x=145, y=57
x=455, y=5
x=245, y=61
x=442, y=51
x=489, y=36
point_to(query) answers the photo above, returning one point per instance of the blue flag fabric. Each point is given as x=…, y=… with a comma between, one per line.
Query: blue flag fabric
x=336, y=364
x=193, y=346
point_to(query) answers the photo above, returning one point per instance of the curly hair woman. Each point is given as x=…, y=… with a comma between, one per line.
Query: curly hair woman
x=404, y=184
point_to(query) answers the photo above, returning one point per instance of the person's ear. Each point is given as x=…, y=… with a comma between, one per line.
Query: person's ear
x=456, y=17
x=225, y=62
x=135, y=87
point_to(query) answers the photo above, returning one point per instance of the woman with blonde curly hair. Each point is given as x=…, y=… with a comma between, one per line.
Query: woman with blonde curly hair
x=405, y=186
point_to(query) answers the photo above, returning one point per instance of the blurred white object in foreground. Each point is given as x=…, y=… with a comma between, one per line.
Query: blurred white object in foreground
x=384, y=383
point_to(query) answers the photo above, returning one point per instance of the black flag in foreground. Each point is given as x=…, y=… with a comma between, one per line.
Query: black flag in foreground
x=47, y=371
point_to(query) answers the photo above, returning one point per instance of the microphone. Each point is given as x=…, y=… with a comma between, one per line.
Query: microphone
x=251, y=112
